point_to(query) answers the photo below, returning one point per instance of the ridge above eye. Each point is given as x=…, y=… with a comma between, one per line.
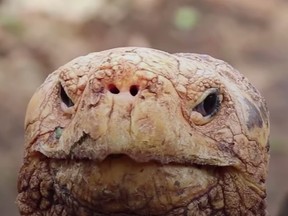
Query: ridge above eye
x=65, y=98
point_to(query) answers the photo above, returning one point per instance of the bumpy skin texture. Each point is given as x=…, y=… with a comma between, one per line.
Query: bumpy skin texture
x=145, y=149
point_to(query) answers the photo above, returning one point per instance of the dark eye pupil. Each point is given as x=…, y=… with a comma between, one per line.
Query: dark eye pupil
x=209, y=106
x=65, y=98
x=210, y=103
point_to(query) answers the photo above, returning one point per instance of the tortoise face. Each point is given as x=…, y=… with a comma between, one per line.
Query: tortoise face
x=140, y=131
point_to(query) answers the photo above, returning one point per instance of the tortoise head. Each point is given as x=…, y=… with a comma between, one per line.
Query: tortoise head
x=141, y=131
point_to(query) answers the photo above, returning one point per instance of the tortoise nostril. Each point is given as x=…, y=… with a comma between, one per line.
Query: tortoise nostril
x=113, y=89
x=134, y=90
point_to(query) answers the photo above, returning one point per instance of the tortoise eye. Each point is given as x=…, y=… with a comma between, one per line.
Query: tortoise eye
x=209, y=106
x=65, y=98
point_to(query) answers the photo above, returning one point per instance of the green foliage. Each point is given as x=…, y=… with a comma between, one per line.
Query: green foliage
x=186, y=18
x=12, y=25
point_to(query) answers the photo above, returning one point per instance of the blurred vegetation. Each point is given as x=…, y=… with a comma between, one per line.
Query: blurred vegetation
x=11, y=24
x=38, y=36
x=186, y=18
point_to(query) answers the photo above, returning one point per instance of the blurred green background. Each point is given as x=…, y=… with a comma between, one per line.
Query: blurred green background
x=37, y=36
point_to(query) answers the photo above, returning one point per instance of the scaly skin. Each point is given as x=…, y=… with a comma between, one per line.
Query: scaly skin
x=145, y=151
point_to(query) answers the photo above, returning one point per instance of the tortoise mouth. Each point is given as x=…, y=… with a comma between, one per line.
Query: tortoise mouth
x=126, y=157
x=121, y=184
x=154, y=162
x=88, y=148
x=117, y=156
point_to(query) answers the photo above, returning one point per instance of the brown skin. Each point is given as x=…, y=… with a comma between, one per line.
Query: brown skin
x=132, y=132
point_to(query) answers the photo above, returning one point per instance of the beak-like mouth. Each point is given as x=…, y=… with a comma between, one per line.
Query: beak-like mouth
x=88, y=148
x=125, y=157
x=137, y=182
x=121, y=184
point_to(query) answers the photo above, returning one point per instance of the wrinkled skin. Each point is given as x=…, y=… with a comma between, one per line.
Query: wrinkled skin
x=118, y=132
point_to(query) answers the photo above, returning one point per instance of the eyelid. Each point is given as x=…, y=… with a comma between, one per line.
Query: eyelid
x=205, y=94
x=65, y=97
x=66, y=103
x=68, y=110
x=197, y=117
